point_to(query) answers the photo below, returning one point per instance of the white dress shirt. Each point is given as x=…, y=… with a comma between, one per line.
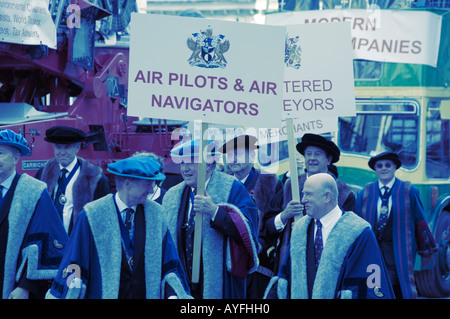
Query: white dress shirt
x=328, y=221
x=244, y=179
x=68, y=206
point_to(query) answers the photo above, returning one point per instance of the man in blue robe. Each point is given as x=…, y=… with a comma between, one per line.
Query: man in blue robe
x=398, y=222
x=229, y=241
x=319, y=154
x=32, y=236
x=332, y=254
x=120, y=246
x=240, y=154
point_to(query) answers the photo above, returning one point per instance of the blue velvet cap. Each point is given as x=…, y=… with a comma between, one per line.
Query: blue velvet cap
x=8, y=137
x=137, y=167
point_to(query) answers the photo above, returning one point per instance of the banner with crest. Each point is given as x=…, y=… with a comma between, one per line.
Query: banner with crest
x=398, y=36
x=216, y=71
x=318, y=80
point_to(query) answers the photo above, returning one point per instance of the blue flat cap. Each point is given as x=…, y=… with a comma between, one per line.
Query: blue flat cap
x=8, y=137
x=190, y=149
x=137, y=167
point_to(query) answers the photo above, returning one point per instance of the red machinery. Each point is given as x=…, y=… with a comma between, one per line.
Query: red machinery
x=80, y=84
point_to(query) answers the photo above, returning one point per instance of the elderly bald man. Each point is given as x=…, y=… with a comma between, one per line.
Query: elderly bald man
x=333, y=254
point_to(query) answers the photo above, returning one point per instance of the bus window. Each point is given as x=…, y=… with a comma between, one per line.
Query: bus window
x=365, y=70
x=438, y=143
x=382, y=126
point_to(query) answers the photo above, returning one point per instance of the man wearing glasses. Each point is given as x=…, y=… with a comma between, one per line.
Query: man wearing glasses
x=395, y=212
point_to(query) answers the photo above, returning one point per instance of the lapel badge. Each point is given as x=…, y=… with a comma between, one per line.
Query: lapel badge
x=57, y=244
x=377, y=292
x=64, y=273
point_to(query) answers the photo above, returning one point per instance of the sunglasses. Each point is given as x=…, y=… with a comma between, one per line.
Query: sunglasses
x=387, y=165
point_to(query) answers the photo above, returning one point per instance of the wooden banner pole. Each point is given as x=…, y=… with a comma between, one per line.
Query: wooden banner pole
x=201, y=180
x=295, y=189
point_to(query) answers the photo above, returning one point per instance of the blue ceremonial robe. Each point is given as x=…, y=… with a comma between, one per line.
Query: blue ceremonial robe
x=229, y=243
x=351, y=266
x=95, y=266
x=32, y=236
x=408, y=220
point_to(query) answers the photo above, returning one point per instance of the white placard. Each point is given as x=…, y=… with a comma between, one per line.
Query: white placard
x=318, y=80
x=201, y=69
x=224, y=132
x=399, y=36
x=27, y=22
x=319, y=126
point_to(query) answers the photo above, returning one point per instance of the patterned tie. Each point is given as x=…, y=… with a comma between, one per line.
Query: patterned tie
x=318, y=243
x=384, y=212
x=129, y=220
x=58, y=204
x=190, y=227
x=192, y=212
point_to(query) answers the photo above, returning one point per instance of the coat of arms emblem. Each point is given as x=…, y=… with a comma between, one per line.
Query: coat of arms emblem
x=292, y=52
x=208, y=49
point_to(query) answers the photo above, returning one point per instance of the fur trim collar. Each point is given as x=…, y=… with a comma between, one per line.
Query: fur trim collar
x=103, y=220
x=218, y=188
x=84, y=186
x=26, y=196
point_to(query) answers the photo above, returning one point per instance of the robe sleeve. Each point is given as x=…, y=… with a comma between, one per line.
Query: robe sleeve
x=73, y=273
x=349, y=204
x=276, y=207
x=426, y=245
x=43, y=247
x=237, y=220
x=103, y=188
x=364, y=274
x=279, y=285
x=239, y=200
x=358, y=203
x=174, y=282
